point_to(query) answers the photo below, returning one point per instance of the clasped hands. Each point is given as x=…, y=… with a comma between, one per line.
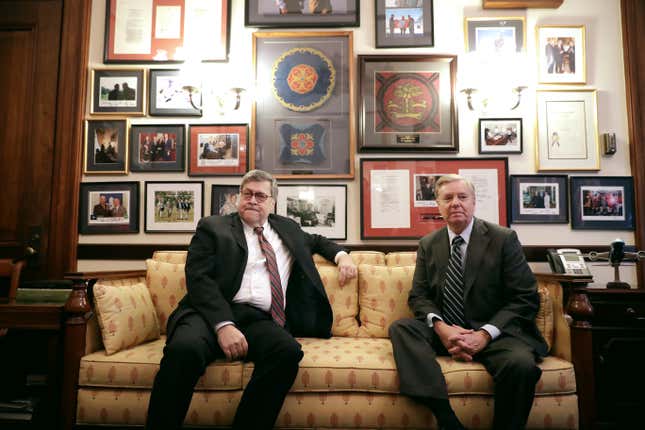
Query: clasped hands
x=461, y=343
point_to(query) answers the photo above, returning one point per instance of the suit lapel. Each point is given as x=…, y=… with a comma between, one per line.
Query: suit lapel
x=286, y=237
x=238, y=232
x=441, y=253
x=476, y=248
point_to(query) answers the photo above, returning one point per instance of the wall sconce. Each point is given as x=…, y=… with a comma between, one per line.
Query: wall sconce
x=517, y=92
x=228, y=100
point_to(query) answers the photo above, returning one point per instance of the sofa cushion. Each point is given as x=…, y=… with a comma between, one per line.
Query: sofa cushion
x=343, y=300
x=401, y=258
x=167, y=285
x=170, y=256
x=368, y=257
x=125, y=314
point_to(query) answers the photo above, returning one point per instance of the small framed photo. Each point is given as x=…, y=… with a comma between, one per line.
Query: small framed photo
x=318, y=209
x=173, y=207
x=500, y=135
x=106, y=146
x=157, y=148
x=109, y=207
x=174, y=94
x=540, y=199
x=602, y=203
x=224, y=199
x=118, y=91
x=404, y=23
x=561, y=54
x=218, y=150
x=299, y=13
x=495, y=36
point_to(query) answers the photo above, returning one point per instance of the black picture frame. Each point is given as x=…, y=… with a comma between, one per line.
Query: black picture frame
x=118, y=91
x=224, y=199
x=327, y=13
x=602, y=203
x=389, y=32
x=529, y=206
x=96, y=218
x=173, y=206
x=172, y=93
x=106, y=146
x=501, y=136
x=157, y=147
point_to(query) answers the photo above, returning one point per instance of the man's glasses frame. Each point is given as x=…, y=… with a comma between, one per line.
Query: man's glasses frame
x=260, y=197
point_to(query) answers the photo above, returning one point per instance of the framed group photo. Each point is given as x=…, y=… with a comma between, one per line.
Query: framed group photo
x=495, y=35
x=118, y=91
x=407, y=102
x=298, y=13
x=540, y=199
x=561, y=54
x=500, y=135
x=404, y=23
x=109, y=207
x=173, y=207
x=602, y=203
x=157, y=147
x=224, y=199
x=173, y=93
x=218, y=150
x=106, y=146
x=318, y=209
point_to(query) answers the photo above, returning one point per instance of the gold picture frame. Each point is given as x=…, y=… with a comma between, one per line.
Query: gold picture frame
x=561, y=55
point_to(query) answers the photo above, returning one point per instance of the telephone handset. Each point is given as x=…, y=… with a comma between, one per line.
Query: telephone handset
x=567, y=260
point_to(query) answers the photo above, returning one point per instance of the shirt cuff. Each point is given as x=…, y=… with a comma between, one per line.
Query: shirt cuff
x=219, y=325
x=432, y=316
x=493, y=331
x=340, y=254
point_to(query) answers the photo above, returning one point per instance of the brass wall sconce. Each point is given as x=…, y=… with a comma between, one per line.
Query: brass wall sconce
x=517, y=91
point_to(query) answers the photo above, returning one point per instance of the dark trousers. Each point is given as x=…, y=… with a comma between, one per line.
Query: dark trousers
x=193, y=345
x=511, y=362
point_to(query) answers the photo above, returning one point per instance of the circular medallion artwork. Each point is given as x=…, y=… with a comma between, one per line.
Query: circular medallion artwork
x=303, y=79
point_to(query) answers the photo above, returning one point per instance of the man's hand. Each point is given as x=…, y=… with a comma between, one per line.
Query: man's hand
x=448, y=334
x=471, y=342
x=346, y=269
x=232, y=342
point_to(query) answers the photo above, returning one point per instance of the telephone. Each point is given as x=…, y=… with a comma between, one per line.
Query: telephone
x=567, y=260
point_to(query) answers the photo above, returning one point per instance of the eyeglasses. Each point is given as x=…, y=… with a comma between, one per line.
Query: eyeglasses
x=260, y=197
x=461, y=197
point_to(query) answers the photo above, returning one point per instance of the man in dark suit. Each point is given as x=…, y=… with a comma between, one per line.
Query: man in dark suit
x=492, y=319
x=234, y=285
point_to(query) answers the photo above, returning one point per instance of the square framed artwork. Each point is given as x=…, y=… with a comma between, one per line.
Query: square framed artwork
x=298, y=13
x=109, y=207
x=404, y=23
x=318, y=209
x=224, y=199
x=500, y=136
x=118, y=91
x=567, y=130
x=173, y=207
x=304, y=126
x=218, y=150
x=561, y=54
x=162, y=31
x=106, y=146
x=407, y=102
x=539, y=199
x=602, y=203
x=157, y=147
x=173, y=93
x=495, y=35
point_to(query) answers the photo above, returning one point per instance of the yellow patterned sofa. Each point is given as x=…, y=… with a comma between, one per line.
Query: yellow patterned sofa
x=348, y=381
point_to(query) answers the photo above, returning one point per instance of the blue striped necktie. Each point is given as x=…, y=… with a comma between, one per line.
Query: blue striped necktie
x=277, y=297
x=453, y=291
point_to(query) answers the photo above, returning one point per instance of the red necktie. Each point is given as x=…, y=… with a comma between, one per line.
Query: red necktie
x=277, y=298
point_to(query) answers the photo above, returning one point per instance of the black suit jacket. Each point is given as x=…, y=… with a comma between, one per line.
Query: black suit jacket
x=216, y=260
x=499, y=287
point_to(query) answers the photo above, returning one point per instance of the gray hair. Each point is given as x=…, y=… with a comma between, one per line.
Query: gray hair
x=260, y=176
x=452, y=177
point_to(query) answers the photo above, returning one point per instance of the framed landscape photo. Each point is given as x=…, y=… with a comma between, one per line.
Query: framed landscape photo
x=157, y=147
x=567, y=130
x=224, y=199
x=495, y=35
x=318, y=209
x=500, y=135
x=602, y=203
x=404, y=23
x=299, y=13
x=407, y=102
x=303, y=113
x=109, y=207
x=173, y=207
x=539, y=199
x=165, y=30
x=218, y=150
x=561, y=54
x=173, y=93
x=118, y=91
x=106, y=146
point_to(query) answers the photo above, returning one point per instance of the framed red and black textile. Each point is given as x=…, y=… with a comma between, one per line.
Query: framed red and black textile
x=303, y=114
x=407, y=102
x=398, y=199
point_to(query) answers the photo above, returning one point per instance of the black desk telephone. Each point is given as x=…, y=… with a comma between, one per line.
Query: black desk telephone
x=567, y=260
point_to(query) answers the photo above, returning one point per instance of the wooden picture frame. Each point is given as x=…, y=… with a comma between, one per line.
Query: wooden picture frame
x=602, y=203
x=106, y=146
x=173, y=207
x=539, y=199
x=157, y=147
x=108, y=208
x=294, y=14
x=118, y=91
x=500, y=136
x=173, y=93
x=404, y=23
x=218, y=149
x=561, y=54
x=495, y=35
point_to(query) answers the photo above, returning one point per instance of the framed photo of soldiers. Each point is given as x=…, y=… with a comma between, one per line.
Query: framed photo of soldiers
x=173, y=207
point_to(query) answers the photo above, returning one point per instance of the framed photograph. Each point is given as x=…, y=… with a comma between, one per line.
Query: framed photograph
x=173, y=207
x=561, y=54
x=109, y=207
x=174, y=94
x=500, y=135
x=106, y=146
x=540, y=199
x=495, y=35
x=299, y=13
x=218, y=150
x=398, y=199
x=602, y=203
x=157, y=147
x=303, y=113
x=164, y=30
x=224, y=199
x=407, y=102
x=567, y=130
x=318, y=209
x=118, y=91
x=404, y=23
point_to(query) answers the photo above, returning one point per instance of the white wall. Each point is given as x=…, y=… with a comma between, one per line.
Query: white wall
x=605, y=72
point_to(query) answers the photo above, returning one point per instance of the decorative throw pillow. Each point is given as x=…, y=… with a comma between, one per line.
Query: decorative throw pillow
x=126, y=315
x=344, y=301
x=167, y=285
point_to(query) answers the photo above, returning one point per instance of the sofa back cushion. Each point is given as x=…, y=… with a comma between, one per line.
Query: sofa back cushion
x=407, y=258
x=167, y=285
x=368, y=257
x=170, y=256
x=343, y=300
